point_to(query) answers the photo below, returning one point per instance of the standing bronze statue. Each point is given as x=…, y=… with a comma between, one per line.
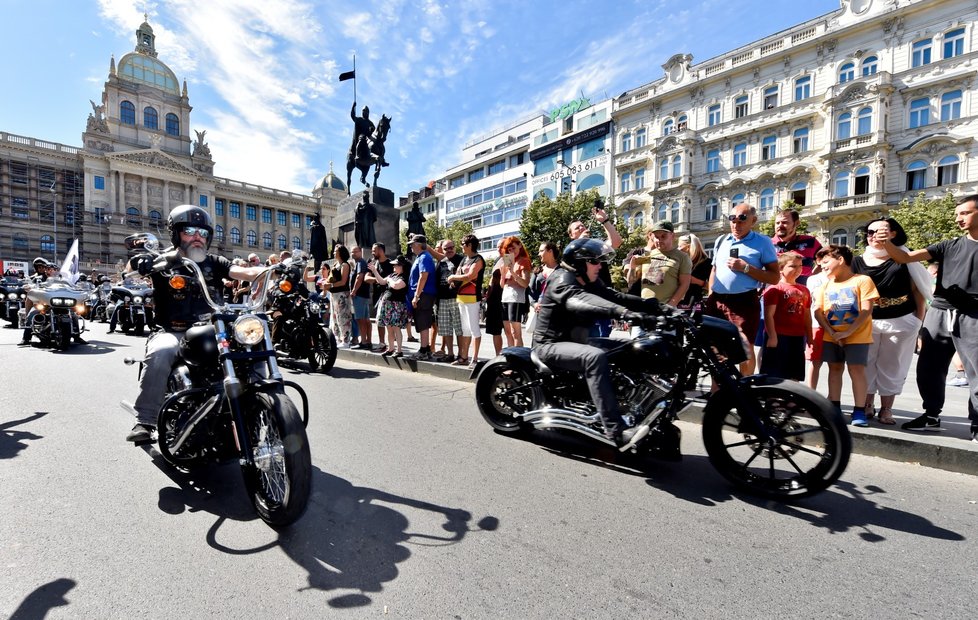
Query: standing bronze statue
x=363, y=223
x=367, y=148
x=415, y=220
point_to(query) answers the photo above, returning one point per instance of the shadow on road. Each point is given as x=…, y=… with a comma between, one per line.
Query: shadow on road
x=352, y=373
x=12, y=441
x=38, y=603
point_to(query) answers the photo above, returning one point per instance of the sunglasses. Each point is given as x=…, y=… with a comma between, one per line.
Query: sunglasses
x=742, y=217
x=594, y=261
x=190, y=231
x=873, y=230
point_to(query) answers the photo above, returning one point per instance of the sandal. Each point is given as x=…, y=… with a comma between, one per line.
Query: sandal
x=886, y=416
x=870, y=412
x=461, y=361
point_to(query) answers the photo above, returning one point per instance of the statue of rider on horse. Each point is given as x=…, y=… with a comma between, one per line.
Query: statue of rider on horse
x=367, y=148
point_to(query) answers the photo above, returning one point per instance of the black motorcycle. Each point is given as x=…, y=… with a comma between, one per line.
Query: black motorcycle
x=13, y=297
x=772, y=437
x=226, y=401
x=299, y=331
x=59, y=308
x=133, y=308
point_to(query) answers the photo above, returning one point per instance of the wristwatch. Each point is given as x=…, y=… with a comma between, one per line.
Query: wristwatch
x=746, y=267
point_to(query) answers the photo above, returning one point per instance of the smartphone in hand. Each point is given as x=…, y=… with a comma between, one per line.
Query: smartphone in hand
x=734, y=252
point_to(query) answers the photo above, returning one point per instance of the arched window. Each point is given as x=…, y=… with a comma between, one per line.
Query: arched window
x=640, y=138
x=844, y=127
x=252, y=239
x=799, y=141
x=626, y=141
x=296, y=243
x=861, y=181
x=864, y=124
x=736, y=200
x=840, y=236
x=869, y=65
x=283, y=243
x=219, y=233
x=682, y=123
x=667, y=127
x=740, y=154
x=916, y=175
x=954, y=42
x=151, y=119
x=639, y=219
x=266, y=240
x=47, y=244
x=740, y=106
x=712, y=210
x=798, y=194
x=847, y=73
x=841, y=184
x=951, y=105
x=663, y=213
x=235, y=236
x=626, y=220
x=664, y=169
x=172, y=125
x=133, y=217
x=947, y=170
x=767, y=201
x=803, y=87
x=677, y=166
x=127, y=113
x=596, y=180
x=769, y=147
x=674, y=213
x=639, y=178
x=919, y=112
x=156, y=219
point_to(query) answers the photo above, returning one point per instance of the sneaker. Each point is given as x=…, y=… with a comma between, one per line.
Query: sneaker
x=80, y=340
x=959, y=380
x=421, y=356
x=24, y=343
x=923, y=423
x=140, y=433
x=859, y=419
x=344, y=345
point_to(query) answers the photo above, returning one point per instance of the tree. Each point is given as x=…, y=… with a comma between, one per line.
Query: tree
x=435, y=232
x=926, y=221
x=546, y=219
x=767, y=228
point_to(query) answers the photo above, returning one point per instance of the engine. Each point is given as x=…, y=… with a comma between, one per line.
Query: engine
x=638, y=393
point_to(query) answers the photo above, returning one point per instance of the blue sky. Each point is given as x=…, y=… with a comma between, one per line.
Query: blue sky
x=261, y=74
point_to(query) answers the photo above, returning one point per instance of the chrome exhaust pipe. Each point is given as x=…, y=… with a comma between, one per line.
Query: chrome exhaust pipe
x=533, y=416
x=570, y=425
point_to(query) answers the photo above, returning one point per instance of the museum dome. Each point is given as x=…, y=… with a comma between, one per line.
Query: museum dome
x=143, y=69
x=330, y=181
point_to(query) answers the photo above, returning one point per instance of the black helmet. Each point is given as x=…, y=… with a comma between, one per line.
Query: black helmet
x=579, y=251
x=40, y=263
x=188, y=215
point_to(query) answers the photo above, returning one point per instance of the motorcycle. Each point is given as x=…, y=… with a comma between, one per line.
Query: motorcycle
x=299, y=331
x=134, y=308
x=13, y=297
x=59, y=310
x=225, y=400
x=772, y=437
x=97, y=304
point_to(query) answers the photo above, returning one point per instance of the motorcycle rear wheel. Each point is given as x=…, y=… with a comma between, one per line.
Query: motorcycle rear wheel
x=322, y=355
x=280, y=481
x=502, y=394
x=808, y=449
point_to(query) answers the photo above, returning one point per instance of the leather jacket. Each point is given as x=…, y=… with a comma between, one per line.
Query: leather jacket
x=569, y=308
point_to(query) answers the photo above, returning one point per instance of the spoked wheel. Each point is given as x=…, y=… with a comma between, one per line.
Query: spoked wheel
x=503, y=392
x=322, y=355
x=280, y=480
x=803, y=448
x=170, y=424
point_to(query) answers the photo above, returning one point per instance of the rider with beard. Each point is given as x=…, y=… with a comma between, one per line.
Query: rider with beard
x=574, y=297
x=177, y=310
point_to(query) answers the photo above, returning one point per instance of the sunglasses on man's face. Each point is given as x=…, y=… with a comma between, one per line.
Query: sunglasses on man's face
x=594, y=261
x=742, y=217
x=190, y=231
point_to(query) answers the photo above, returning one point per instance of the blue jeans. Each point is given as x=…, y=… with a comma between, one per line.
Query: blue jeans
x=161, y=352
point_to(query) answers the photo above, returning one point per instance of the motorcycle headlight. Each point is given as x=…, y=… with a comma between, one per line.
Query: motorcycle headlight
x=249, y=330
x=137, y=299
x=62, y=302
x=12, y=296
x=23, y=295
x=80, y=309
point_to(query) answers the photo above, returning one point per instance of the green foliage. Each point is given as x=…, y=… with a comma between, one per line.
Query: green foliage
x=926, y=221
x=434, y=232
x=630, y=239
x=546, y=219
x=766, y=228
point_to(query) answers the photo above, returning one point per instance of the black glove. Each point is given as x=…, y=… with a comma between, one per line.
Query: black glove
x=635, y=318
x=652, y=306
x=143, y=264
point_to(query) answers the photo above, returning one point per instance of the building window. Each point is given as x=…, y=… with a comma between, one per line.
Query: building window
x=677, y=166
x=99, y=216
x=682, y=123
x=172, y=125
x=517, y=160
x=133, y=219
x=219, y=233
x=799, y=141
x=841, y=185
x=664, y=169
x=947, y=171
x=252, y=239
x=951, y=106
x=674, y=213
x=767, y=201
x=236, y=210
x=155, y=219
x=667, y=127
x=626, y=179
x=21, y=243
x=99, y=182
x=844, y=127
x=740, y=106
x=861, y=182
x=803, y=87
x=219, y=206
x=916, y=175
x=283, y=243
x=458, y=181
x=847, y=73
x=921, y=53
x=769, y=147
x=475, y=175
x=919, y=112
x=497, y=167
x=47, y=244
x=663, y=213
x=798, y=191
x=266, y=215
x=713, y=115
x=712, y=210
x=235, y=236
x=770, y=97
x=639, y=179
x=251, y=212
x=202, y=200
x=639, y=220
x=127, y=113
x=280, y=218
x=954, y=43
x=736, y=200
x=869, y=66
x=296, y=220
x=740, y=155
x=640, y=138
x=296, y=243
x=864, y=122
x=151, y=118
x=840, y=237
x=713, y=160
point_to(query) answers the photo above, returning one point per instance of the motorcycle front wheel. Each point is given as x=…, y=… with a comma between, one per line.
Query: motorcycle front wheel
x=804, y=449
x=280, y=480
x=322, y=354
x=503, y=392
x=170, y=424
x=139, y=326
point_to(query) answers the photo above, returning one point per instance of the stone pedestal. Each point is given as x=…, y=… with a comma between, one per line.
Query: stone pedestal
x=385, y=228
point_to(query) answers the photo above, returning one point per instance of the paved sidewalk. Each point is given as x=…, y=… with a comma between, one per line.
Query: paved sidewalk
x=950, y=449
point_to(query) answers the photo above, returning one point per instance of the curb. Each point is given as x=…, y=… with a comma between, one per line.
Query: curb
x=927, y=450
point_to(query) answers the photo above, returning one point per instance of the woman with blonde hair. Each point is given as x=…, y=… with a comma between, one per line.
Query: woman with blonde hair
x=514, y=273
x=700, y=277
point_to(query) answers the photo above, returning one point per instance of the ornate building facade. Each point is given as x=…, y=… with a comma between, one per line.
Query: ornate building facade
x=136, y=162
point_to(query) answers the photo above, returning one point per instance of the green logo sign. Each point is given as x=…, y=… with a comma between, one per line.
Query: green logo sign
x=568, y=109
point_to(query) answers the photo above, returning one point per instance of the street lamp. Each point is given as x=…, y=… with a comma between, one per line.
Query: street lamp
x=566, y=183
x=54, y=217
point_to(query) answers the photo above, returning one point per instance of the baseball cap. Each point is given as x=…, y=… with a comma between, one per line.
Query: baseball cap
x=666, y=226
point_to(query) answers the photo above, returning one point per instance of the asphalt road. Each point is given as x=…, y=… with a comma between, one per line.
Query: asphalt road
x=421, y=511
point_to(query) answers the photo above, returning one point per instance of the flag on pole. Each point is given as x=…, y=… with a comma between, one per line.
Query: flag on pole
x=69, y=268
x=348, y=75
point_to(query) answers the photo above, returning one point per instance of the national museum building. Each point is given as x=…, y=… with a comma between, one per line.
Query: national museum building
x=137, y=162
